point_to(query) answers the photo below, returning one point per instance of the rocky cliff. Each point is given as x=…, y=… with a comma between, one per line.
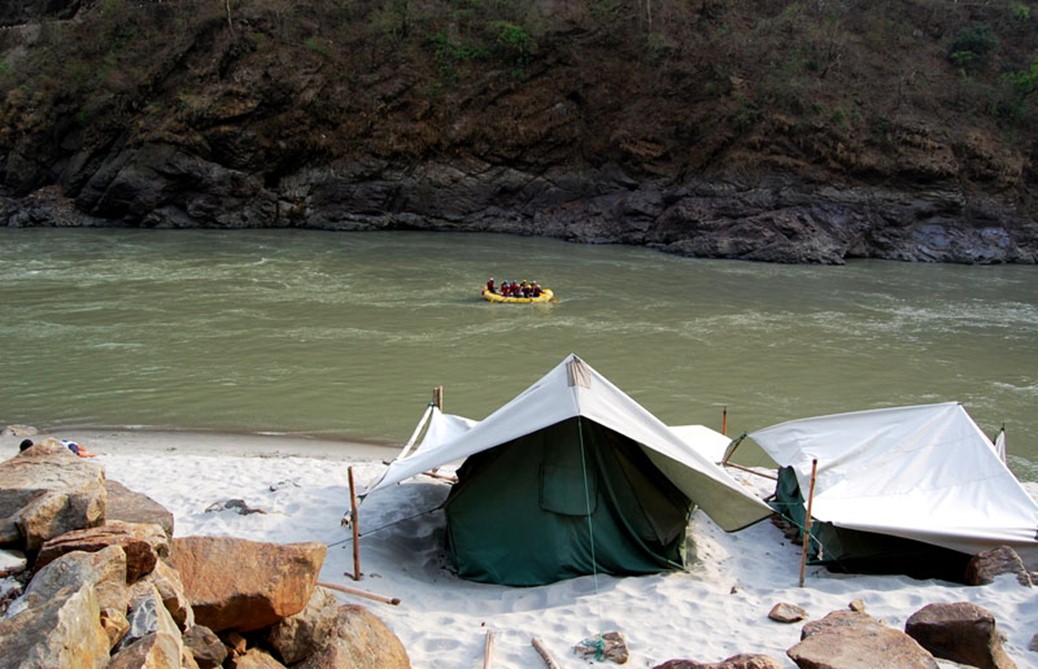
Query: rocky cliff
x=766, y=130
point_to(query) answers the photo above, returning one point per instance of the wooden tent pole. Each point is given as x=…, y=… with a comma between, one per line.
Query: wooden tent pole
x=355, y=524
x=488, y=649
x=438, y=397
x=807, y=522
x=724, y=420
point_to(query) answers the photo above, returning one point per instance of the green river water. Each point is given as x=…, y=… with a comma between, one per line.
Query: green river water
x=344, y=335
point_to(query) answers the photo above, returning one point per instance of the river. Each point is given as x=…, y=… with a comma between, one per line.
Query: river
x=344, y=335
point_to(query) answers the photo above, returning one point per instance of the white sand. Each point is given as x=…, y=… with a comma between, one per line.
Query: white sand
x=716, y=609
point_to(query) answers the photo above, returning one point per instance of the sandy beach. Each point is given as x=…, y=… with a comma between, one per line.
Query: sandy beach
x=715, y=609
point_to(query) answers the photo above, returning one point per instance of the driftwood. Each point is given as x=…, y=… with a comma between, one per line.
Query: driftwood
x=543, y=652
x=395, y=601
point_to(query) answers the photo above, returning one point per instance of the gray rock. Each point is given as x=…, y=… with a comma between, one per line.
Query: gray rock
x=855, y=640
x=134, y=507
x=153, y=638
x=771, y=218
x=166, y=581
x=205, y=647
x=787, y=613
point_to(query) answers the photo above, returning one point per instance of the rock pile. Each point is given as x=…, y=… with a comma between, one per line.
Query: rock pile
x=93, y=578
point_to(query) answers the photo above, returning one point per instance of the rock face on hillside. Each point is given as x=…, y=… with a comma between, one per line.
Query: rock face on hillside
x=770, y=132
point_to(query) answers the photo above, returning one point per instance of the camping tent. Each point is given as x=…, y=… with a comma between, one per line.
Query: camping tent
x=922, y=474
x=572, y=477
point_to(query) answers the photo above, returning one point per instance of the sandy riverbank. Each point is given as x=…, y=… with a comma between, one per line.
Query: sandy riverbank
x=714, y=609
x=126, y=441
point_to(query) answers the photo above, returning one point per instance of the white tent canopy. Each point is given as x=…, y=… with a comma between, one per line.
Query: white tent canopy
x=570, y=390
x=926, y=473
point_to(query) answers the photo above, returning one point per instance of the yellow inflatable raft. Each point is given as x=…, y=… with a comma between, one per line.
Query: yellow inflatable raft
x=546, y=296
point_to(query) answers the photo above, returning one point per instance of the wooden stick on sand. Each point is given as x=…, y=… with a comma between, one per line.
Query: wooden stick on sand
x=488, y=649
x=545, y=655
x=395, y=601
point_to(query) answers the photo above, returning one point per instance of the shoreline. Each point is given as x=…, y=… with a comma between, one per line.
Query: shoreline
x=209, y=442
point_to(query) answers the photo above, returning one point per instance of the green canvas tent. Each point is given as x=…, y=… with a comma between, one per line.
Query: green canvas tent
x=571, y=477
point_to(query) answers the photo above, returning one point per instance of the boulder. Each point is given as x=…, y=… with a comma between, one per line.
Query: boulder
x=741, y=661
x=961, y=632
x=984, y=567
x=255, y=658
x=166, y=580
x=787, y=613
x=63, y=631
x=143, y=545
x=154, y=651
x=46, y=491
x=246, y=585
x=856, y=640
x=115, y=625
x=134, y=507
x=298, y=636
x=147, y=617
x=360, y=641
x=205, y=647
x=104, y=571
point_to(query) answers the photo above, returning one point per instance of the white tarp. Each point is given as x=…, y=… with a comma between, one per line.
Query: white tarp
x=923, y=472
x=574, y=389
x=708, y=443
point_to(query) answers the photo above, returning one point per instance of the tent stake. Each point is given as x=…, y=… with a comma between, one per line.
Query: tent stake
x=543, y=652
x=807, y=523
x=488, y=649
x=355, y=524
